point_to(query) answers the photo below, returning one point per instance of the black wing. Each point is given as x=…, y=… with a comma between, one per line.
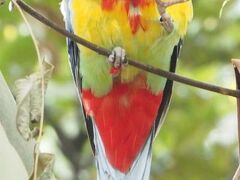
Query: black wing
x=167, y=92
x=74, y=59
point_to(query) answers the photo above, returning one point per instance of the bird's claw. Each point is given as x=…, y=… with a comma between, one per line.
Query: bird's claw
x=165, y=19
x=117, y=59
x=167, y=22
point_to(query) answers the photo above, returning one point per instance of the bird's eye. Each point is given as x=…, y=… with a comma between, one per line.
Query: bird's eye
x=161, y=19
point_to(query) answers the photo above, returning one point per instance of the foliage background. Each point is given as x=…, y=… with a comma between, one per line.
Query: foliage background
x=198, y=139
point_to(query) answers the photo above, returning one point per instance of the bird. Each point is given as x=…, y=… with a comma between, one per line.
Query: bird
x=123, y=106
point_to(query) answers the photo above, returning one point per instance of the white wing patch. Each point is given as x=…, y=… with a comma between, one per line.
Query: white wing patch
x=64, y=9
x=134, y=11
x=67, y=14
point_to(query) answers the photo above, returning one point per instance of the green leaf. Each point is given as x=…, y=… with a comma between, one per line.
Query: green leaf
x=10, y=160
x=8, y=121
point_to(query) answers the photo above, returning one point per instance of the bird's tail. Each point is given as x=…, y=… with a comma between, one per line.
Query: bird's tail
x=140, y=169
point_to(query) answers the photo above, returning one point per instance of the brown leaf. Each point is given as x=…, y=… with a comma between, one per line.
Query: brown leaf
x=45, y=167
x=29, y=99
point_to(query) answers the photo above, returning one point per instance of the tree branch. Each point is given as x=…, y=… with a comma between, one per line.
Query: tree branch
x=236, y=64
x=102, y=51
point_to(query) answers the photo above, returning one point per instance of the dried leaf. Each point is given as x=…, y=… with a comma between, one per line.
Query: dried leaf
x=45, y=167
x=8, y=121
x=36, y=93
x=23, y=88
x=29, y=100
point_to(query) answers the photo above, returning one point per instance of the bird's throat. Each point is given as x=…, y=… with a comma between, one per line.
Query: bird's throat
x=131, y=8
x=109, y=4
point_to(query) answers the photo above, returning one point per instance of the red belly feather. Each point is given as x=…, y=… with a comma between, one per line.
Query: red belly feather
x=124, y=118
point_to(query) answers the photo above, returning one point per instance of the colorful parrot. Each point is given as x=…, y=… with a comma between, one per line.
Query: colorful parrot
x=124, y=106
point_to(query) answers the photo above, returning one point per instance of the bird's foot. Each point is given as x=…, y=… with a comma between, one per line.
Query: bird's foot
x=165, y=19
x=118, y=60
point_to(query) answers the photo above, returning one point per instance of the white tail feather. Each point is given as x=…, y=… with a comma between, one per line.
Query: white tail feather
x=140, y=169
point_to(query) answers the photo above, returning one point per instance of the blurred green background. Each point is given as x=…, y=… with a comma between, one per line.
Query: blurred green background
x=199, y=137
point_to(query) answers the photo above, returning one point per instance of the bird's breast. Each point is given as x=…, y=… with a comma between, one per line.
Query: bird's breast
x=132, y=25
x=124, y=118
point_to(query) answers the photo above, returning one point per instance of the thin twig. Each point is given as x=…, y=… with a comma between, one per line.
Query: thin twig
x=135, y=63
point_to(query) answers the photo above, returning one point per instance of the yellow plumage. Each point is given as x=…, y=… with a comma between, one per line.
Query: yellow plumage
x=151, y=44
